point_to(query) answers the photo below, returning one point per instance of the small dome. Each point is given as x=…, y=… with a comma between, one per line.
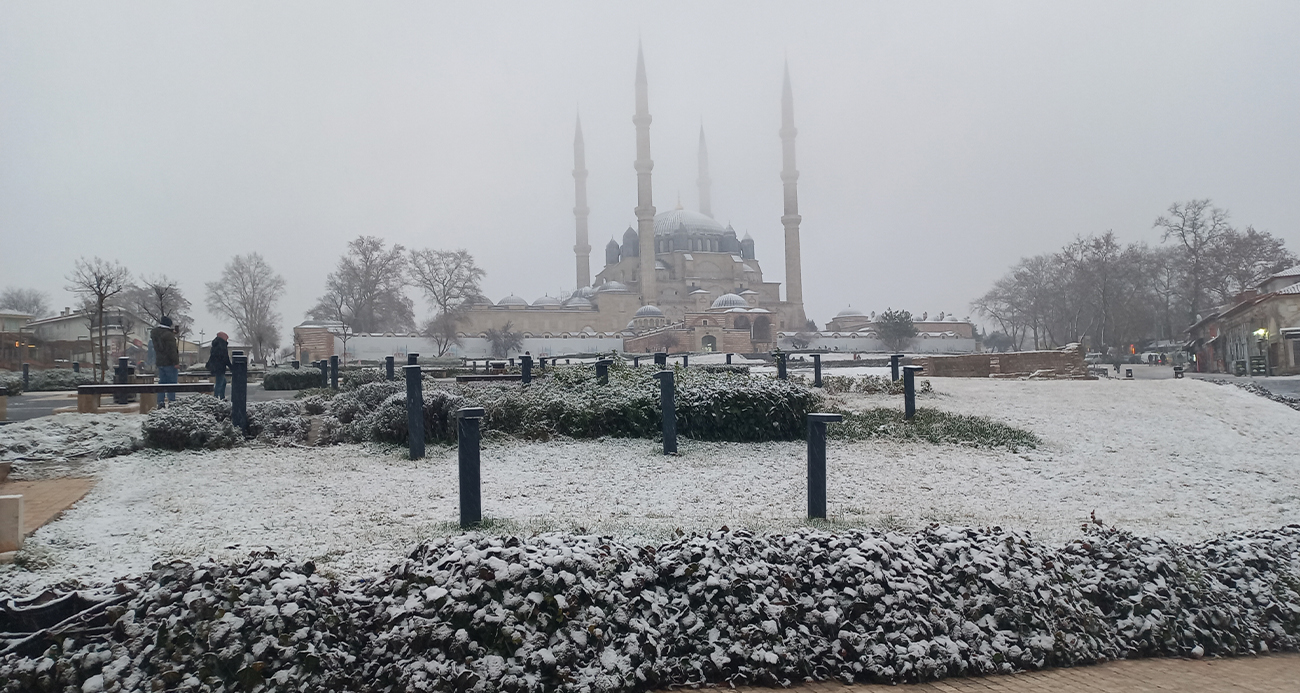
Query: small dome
x=577, y=302
x=630, y=236
x=648, y=312
x=729, y=301
x=850, y=312
x=547, y=301
x=584, y=292
x=612, y=286
x=481, y=300
x=512, y=300
x=952, y=318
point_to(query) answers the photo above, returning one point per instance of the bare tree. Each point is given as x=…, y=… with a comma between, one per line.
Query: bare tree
x=449, y=278
x=504, y=340
x=1198, y=228
x=34, y=303
x=443, y=330
x=1243, y=259
x=97, y=282
x=157, y=296
x=368, y=288
x=247, y=293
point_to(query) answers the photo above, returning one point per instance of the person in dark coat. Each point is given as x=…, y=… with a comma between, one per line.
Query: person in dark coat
x=218, y=362
x=166, y=355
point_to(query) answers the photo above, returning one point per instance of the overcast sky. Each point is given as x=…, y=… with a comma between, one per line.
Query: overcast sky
x=938, y=142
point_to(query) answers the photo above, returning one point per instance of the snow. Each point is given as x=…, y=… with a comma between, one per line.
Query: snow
x=59, y=445
x=1180, y=459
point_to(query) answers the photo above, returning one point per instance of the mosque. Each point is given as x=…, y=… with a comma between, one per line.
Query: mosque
x=679, y=280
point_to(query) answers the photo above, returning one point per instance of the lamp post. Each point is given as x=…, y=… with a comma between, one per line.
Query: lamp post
x=1261, y=340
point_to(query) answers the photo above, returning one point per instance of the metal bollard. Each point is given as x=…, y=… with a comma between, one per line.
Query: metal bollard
x=239, y=391
x=120, y=377
x=1128, y=373
x=686, y=360
x=661, y=358
x=76, y=366
x=636, y=361
x=467, y=442
x=668, y=407
x=473, y=366
x=512, y=362
x=909, y=391
x=602, y=371
x=388, y=368
x=412, y=359
x=541, y=363
x=324, y=367
x=334, y=372
x=414, y=412
x=893, y=366
x=817, y=463
x=27, y=376
x=728, y=359
x=780, y=365
x=817, y=370
x=525, y=369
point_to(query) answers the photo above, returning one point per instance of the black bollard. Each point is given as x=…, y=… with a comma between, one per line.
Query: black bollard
x=467, y=442
x=297, y=365
x=76, y=366
x=512, y=362
x=728, y=359
x=817, y=463
x=909, y=391
x=388, y=368
x=780, y=365
x=602, y=371
x=525, y=369
x=412, y=359
x=893, y=366
x=120, y=374
x=668, y=406
x=334, y=372
x=686, y=360
x=661, y=358
x=324, y=367
x=27, y=377
x=473, y=366
x=239, y=391
x=636, y=361
x=817, y=370
x=414, y=411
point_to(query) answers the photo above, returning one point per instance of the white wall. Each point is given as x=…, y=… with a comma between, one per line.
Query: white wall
x=919, y=345
x=377, y=348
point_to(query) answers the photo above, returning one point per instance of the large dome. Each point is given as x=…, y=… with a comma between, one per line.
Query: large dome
x=850, y=312
x=648, y=311
x=667, y=222
x=512, y=300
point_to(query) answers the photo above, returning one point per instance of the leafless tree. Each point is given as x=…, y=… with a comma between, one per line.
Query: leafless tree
x=1198, y=228
x=30, y=301
x=449, y=278
x=160, y=296
x=98, y=282
x=368, y=288
x=1243, y=259
x=247, y=293
x=443, y=330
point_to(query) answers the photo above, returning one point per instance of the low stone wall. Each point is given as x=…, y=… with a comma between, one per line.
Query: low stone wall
x=1061, y=363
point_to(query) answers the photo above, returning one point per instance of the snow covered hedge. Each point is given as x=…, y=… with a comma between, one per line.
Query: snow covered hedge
x=203, y=423
x=291, y=379
x=932, y=426
x=866, y=384
x=11, y=384
x=581, y=613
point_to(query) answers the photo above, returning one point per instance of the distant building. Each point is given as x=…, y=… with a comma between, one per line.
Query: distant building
x=1262, y=323
x=12, y=321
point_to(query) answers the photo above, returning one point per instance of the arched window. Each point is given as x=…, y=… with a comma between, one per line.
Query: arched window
x=709, y=343
x=742, y=322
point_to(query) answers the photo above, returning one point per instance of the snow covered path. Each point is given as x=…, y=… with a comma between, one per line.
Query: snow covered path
x=1182, y=459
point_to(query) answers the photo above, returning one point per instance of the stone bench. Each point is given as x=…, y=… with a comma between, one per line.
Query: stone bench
x=487, y=378
x=88, y=395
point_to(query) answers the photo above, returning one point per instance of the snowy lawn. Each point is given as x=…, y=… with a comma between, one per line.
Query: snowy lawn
x=1180, y=459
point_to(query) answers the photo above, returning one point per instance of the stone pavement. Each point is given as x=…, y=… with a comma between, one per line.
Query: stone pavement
x=1266, y=674
x=44, y=500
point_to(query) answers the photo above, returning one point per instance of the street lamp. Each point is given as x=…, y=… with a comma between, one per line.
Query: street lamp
x=1261, y=338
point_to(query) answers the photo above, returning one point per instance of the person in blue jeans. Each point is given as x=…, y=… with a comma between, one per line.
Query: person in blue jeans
x=166, y=355
x=218, y=362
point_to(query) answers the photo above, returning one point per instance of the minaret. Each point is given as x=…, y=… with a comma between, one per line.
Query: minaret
x=645, y=208
x=580, y=210
x=790, y=220
x=706, y=200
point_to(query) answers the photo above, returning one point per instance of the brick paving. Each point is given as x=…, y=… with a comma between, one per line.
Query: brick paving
x=1266, y=674
x=44, y=500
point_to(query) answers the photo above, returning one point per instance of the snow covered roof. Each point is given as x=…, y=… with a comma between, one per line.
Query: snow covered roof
x=1293, y=289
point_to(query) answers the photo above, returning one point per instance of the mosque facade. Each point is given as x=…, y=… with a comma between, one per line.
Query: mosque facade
x=677, y=277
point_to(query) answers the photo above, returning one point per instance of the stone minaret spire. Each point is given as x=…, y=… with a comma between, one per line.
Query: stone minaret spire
x=706, y=200
x=790, y=220
x=580, y=210
x=645, y=208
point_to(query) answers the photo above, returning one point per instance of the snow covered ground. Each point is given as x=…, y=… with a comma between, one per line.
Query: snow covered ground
x=60, y=445
x=1177, y=458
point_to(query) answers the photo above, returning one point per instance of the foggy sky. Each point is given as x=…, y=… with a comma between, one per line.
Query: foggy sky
x=938, y=142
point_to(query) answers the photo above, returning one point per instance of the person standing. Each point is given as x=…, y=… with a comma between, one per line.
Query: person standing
x=218, y=362
x=166, y=355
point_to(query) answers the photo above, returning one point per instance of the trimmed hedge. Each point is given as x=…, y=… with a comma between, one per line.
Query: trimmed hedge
x=291, y=379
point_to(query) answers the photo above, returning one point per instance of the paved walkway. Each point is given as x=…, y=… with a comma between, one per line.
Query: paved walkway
x=1267, y=674
x=44, y=500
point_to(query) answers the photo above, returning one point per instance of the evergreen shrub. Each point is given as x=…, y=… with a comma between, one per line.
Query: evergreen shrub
x=291, y=379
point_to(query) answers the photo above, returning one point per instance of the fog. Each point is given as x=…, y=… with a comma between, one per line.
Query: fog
x=938, y=142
